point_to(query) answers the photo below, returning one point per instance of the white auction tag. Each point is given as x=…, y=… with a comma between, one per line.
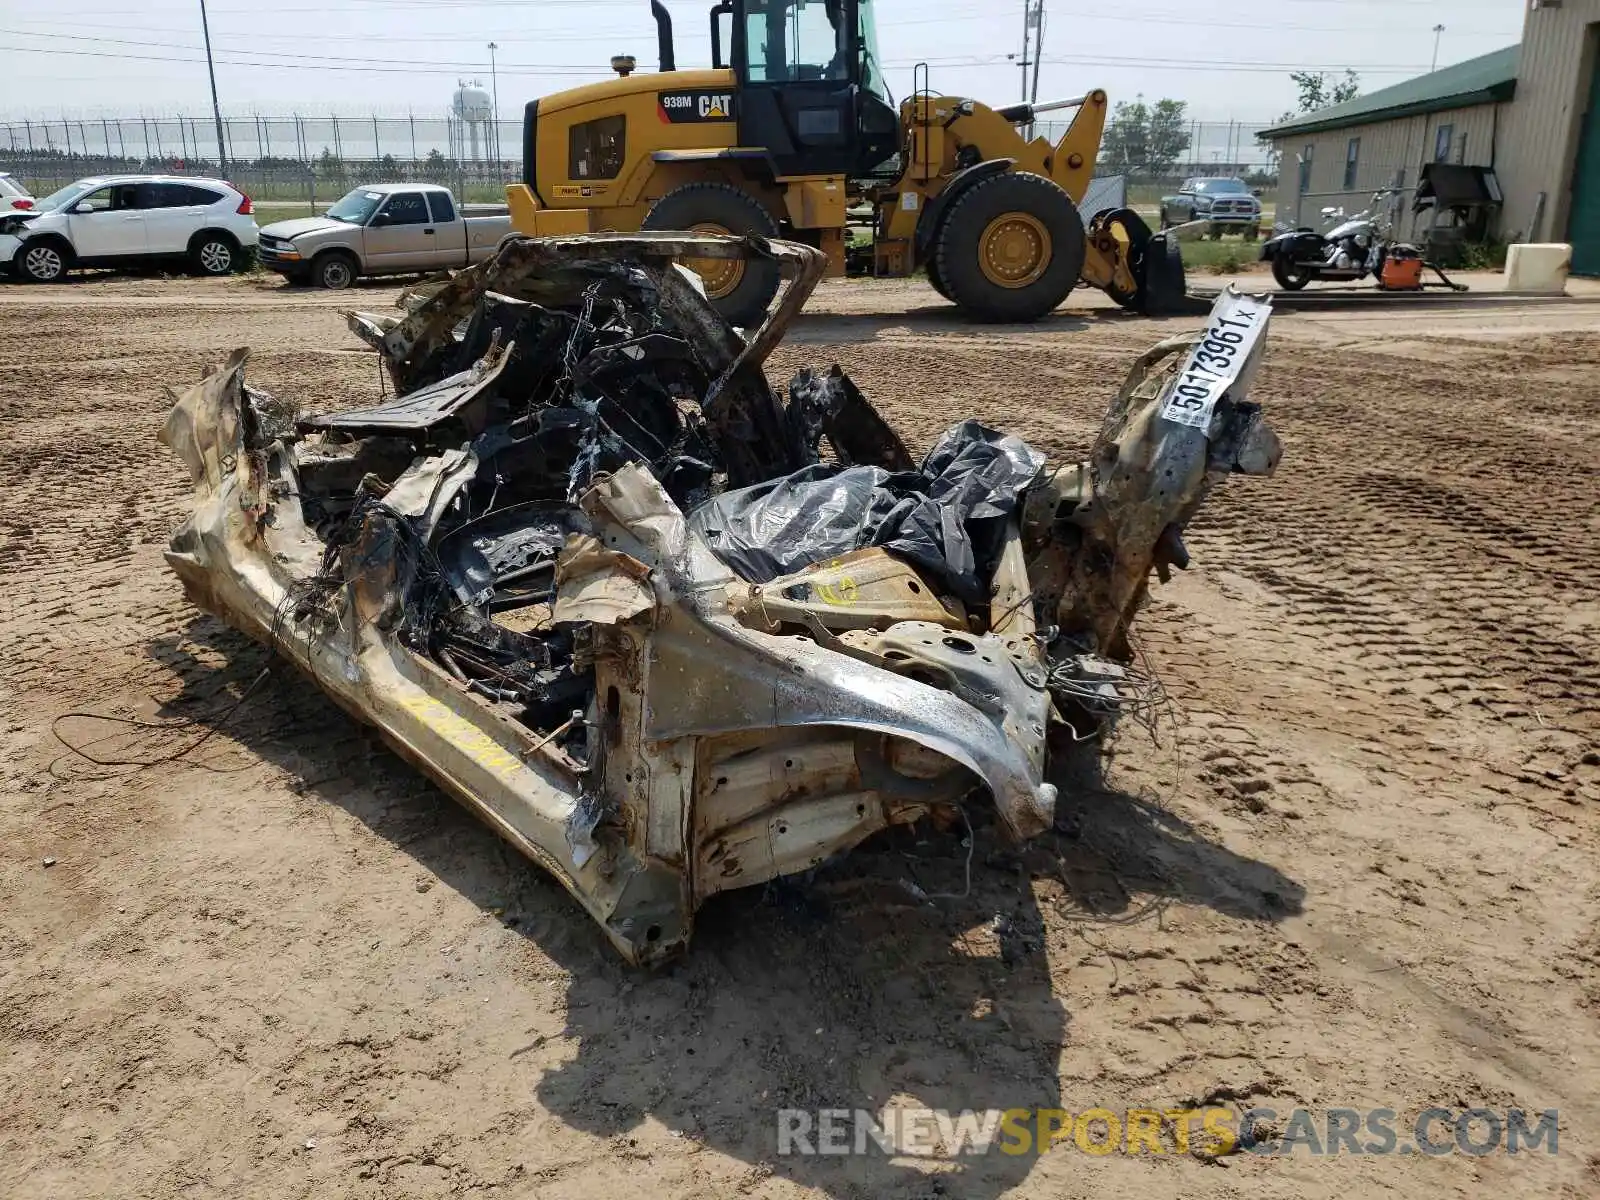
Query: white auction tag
x=1218, y=359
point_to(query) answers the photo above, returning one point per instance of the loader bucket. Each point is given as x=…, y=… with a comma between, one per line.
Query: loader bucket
x=1153, y=264
x=1163, y=287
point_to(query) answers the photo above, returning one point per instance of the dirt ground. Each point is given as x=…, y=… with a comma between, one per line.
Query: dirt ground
x=1359, y=869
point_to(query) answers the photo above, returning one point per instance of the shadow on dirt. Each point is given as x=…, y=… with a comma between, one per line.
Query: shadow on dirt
x=880, y=976
x=812, y=326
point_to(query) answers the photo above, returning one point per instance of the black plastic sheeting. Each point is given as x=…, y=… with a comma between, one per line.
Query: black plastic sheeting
x=947, y=517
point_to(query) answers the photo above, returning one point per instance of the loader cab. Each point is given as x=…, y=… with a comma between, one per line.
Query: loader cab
x=811, y=88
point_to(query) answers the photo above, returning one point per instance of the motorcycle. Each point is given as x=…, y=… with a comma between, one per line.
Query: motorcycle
x=1352, y=249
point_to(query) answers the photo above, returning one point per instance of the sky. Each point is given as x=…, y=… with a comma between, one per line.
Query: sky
x=1229, y=61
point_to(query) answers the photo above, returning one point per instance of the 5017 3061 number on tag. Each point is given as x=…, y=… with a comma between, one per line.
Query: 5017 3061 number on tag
x=1215, y=364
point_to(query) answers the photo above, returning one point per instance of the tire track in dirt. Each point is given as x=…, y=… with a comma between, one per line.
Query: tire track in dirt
x=1427, y=583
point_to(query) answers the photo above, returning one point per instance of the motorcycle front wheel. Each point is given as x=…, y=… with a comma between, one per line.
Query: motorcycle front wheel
x=1291, y=276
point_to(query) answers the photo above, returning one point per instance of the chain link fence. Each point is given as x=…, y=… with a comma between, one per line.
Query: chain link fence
x=311, y=160
x=305, y=160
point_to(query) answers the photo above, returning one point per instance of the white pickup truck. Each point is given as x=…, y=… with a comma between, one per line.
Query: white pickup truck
x=383, y=229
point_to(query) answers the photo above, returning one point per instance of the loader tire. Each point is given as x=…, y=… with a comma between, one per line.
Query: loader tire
x=740, y=290
x=933, y=277
x=1011, y=248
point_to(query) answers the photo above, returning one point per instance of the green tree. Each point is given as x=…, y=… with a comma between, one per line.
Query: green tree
x=1316, y=89
x=1125, y=146
x=1169, y=137
x=330, y=165
x=1145, y=139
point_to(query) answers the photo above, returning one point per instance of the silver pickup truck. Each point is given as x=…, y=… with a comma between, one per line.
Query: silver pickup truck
x=383, y=229
x=1227, y=203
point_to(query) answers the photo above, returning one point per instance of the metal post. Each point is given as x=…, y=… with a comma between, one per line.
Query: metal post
x=377, y=151
x=1038, y=49
x=412, y=119
x=1027, y=9
x=216, y=108
x=1438, y=31
x=494, y=136
x=27, y=126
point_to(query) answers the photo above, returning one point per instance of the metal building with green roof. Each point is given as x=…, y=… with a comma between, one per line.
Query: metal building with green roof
x=1531, y=112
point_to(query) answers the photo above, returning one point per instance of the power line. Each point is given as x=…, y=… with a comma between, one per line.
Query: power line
x=972, y=13
x=328, y=58
x=341, y=65
x=963, y=15
x=354, y=63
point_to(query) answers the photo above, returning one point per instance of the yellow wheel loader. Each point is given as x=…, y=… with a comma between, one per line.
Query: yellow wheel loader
x=793, y=127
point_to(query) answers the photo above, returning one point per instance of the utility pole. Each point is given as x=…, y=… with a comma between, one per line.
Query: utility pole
x=1038, y=52
x=1438, y=30
x=494, y=86
x=1032, y=39
x=216, y=108
x=1027, y=34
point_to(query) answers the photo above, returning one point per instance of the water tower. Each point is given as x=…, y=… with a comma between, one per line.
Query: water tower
x=471, y=111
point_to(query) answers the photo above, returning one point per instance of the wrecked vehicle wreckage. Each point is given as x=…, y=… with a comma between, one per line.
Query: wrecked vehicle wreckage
x=666, y=631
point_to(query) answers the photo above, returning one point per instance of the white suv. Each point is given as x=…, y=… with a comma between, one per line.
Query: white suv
x=12, y=194
x=118, y=220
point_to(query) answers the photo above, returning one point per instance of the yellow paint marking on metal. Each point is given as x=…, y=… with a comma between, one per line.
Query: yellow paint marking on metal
x=473, y=742
x=840, y=594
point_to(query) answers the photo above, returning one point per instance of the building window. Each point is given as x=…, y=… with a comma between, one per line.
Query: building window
x=1442, y=138
x=1305, y=167
x=1352, y=157
x=1461, y=148
x=595, y=148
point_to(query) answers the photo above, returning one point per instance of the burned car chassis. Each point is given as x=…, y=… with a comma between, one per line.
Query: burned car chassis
x=668, y=632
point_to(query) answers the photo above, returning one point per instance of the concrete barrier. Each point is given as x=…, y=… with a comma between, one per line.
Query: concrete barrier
x=1538, y=267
